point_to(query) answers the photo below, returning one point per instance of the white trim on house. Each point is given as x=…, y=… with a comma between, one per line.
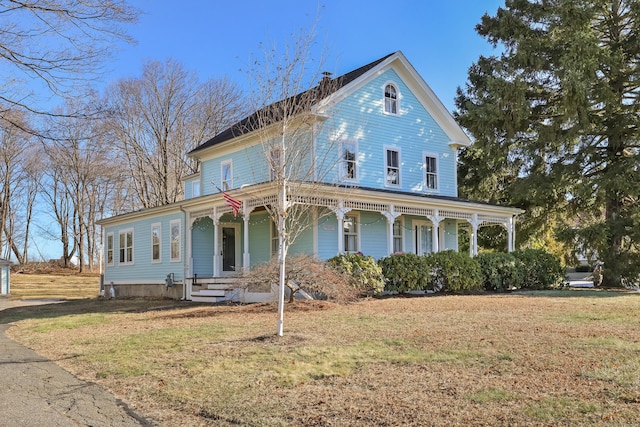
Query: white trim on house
x=178, y=245
x=352, y=145
x=226, y=182
x=123, y=252
x=112, y=249
x=156, y=226
x=436, y=175
x=386, y=150
x=395, y=100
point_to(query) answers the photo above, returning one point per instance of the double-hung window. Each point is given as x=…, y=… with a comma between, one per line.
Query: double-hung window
x=110, y=248
x=195, y=188
x=390, y=99
x=431, y=172
x=275, y=242
x=397, y=236
x=155, y=242
x=175, y=236
x=126, y=247
x=392, y=177
x=350, y=233
x=349, y=162
x=226, y=175
x=275, y=166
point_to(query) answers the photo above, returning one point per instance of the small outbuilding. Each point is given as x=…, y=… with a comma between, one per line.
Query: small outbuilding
x=5, y=273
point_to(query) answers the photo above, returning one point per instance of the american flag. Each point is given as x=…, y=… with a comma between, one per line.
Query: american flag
x=232, y=203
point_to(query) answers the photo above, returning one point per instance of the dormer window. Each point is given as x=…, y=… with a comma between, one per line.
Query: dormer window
x=390, y=99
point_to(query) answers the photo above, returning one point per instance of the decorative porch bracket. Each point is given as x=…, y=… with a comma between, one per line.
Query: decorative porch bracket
x=340, y=212
x=391, y=216
x=436, y=219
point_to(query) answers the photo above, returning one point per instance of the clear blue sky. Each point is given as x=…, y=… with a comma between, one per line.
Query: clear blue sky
x=215, y=38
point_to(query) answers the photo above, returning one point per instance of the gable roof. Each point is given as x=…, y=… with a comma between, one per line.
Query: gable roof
x=336, y=88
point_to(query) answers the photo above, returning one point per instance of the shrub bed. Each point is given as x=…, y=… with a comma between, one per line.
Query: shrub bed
x=500, y=271
x=405, y=272
x=452, y=271
x=540, y=269
x=363, y=272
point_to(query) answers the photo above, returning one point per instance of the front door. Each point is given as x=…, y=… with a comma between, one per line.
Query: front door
x=230, y=247
x=423, y=237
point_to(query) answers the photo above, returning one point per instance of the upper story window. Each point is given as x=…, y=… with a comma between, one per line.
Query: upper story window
x=226, y=175
x=349, y=162
x=392, y=172
x=126, y=246
x=275, y=163
x=350, y=233
x=195, y=188
x=174, y=229
x=431, y=171
x=110, y=248
x=390, y=99
x=155, y=242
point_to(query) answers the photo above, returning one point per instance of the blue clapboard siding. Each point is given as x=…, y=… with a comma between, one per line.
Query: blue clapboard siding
x=373, y=234
x=143, y=269
x=248, y=166
x=202, y=247
x=360, y=117
x=260, y=238
x=327, y=235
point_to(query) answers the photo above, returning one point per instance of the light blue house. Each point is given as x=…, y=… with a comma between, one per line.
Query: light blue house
x=392, y=188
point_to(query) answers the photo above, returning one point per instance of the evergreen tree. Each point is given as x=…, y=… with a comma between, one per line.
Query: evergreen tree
x=555, y=118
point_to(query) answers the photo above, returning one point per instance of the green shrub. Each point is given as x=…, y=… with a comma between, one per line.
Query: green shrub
x=453, y=272
x=363, y=271
x=500, y=271
x=540, y=269
x=405, y=272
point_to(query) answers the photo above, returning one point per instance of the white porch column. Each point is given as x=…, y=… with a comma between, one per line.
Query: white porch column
x=391, y=216
x=340, y=212
x=435, y=230
x=473, y=244
x=216, y=246
x=511, y=234
x=246, y=256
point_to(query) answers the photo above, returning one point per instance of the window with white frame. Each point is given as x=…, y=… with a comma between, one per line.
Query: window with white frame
x=175, y=236
x=350, y=233
x=275, y=165
x=226, y=175
x=155, y=242
x=275, y=242
x=390, y=99
x=431, y=171
x=110, y=248
x=349, y=162
x=397, y=236
x=126, y=246
x=392, y=169
x=195, y=188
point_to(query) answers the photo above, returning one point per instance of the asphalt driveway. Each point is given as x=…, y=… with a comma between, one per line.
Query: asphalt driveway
x=34, y=391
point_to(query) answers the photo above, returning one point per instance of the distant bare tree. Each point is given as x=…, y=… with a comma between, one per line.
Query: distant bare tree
x=55, y=46
x=81, y=176
x=18, y=190
x=159, y=117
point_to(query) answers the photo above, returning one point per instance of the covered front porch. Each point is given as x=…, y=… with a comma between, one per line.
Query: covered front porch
x=220, y=244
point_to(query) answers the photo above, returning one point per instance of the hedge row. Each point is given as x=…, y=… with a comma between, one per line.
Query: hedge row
x=450, y=271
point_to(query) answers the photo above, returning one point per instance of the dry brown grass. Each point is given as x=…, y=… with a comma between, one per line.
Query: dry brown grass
x=65, y=285
x=544, y=358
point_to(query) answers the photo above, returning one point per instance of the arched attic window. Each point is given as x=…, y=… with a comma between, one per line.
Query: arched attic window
x=390, y=99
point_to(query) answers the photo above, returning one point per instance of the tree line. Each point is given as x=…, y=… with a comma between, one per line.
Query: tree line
x=103, y=155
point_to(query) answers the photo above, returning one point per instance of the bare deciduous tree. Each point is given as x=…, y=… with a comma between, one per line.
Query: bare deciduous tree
x=55, y=46
x=18, y=186
x=157, y=118
x=288, y=125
